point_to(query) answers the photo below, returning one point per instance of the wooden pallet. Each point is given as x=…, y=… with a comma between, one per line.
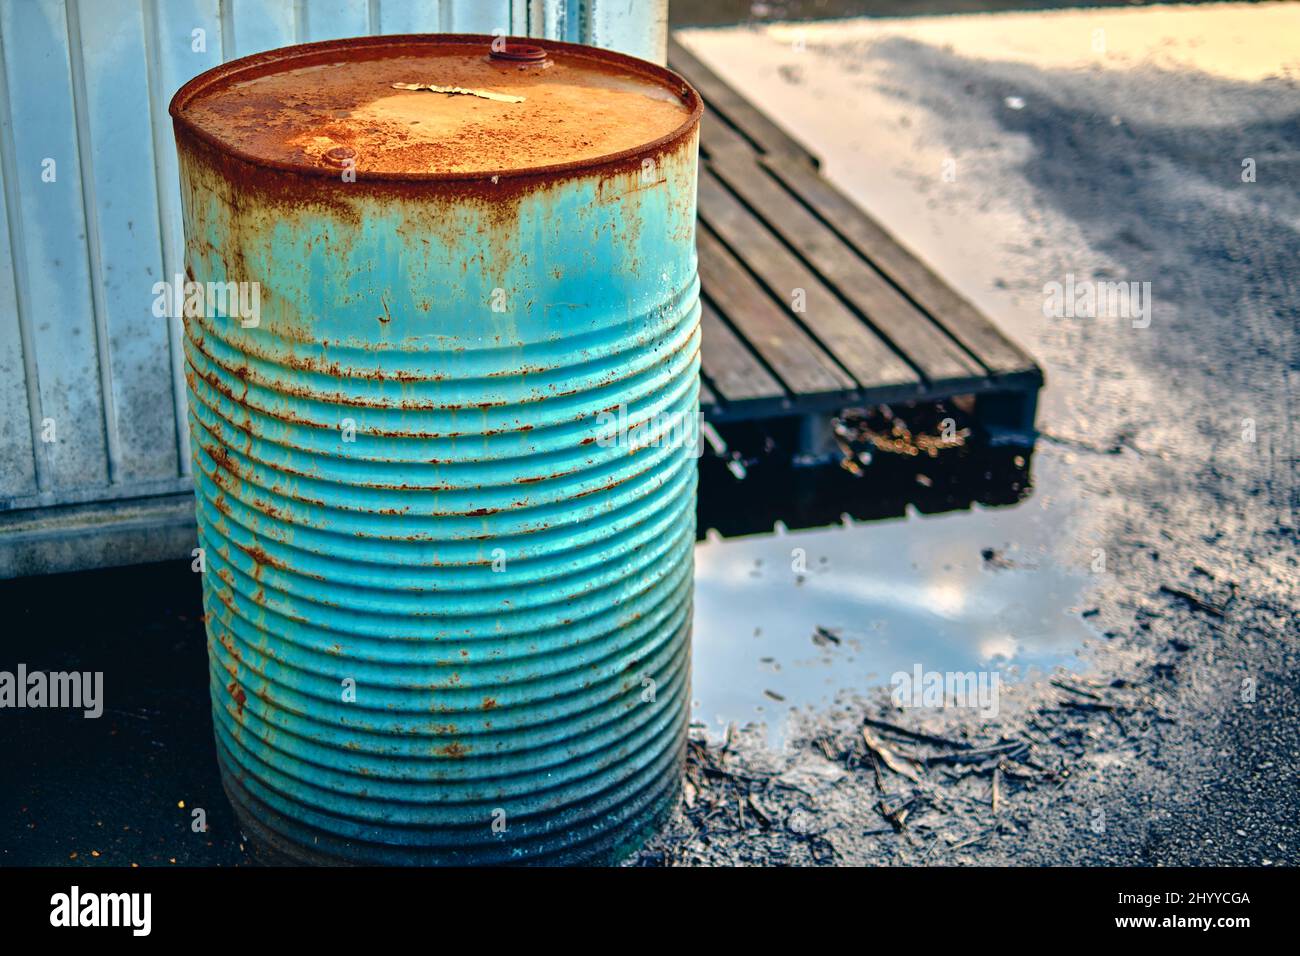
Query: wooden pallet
x=877, y=326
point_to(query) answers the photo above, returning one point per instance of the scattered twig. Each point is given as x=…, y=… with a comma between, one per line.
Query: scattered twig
x=1074, y=689
x=897, y=817
x=930, y=849
x=825, y=635
x=759, y=811
x=880, y=781
x=824, y=745
x=972, y=840
x=1196, y=601
x=1086, y=705
x=896, y=764
x=916, y=734
x=1010, y=749
x=727, y=736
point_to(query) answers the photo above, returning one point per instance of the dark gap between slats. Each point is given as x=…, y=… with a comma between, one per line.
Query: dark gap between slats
x=924, y=380
x=784, y=307
x=943, y=328
x=754, y=353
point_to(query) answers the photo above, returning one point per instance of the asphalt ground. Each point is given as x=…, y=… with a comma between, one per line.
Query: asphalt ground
x=1012, y=153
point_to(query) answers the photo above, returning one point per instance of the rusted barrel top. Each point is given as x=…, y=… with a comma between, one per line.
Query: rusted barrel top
x=524, y=107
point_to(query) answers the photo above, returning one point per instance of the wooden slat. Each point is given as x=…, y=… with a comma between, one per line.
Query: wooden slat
x=729, y=364
x=1000, y=355
x=802, y=365
x=718, y=139
x=934, y=353
x=737, y=110
x=858, y=349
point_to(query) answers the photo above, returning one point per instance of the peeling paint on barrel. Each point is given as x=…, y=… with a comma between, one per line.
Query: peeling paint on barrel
x=493, y=583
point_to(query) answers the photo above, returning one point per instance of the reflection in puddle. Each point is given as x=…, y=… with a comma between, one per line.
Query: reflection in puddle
x=790, y=619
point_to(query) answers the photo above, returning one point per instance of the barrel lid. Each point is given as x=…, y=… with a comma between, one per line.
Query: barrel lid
x=436, y=106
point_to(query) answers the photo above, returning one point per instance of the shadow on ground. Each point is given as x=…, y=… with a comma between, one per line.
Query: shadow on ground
x=109, y=791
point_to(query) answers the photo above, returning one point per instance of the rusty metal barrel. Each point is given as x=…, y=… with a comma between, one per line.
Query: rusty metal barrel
x=442, y=346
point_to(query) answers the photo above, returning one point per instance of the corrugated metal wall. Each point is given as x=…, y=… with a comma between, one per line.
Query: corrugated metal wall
x=91, y=389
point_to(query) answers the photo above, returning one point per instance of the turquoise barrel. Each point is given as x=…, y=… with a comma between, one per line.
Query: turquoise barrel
x=442, y=349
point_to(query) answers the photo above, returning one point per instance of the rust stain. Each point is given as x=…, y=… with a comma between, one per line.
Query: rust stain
x=238, y=694
x=260, y=557
x=220, y=455
x=230, y=647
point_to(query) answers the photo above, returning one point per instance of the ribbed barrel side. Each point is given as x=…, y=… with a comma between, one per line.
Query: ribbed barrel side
x=445, y=492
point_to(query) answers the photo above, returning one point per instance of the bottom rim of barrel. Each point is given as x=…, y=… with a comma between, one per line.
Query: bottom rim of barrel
x=647, y=811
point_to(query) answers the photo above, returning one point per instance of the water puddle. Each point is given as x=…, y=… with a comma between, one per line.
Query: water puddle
x=790, y=619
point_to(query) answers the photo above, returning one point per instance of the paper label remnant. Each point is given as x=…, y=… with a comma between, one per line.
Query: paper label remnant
x=460, y=91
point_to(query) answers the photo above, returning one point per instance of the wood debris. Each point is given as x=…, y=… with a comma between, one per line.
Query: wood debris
x=894, y=763
x=460, y=91
x=1198, y=602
